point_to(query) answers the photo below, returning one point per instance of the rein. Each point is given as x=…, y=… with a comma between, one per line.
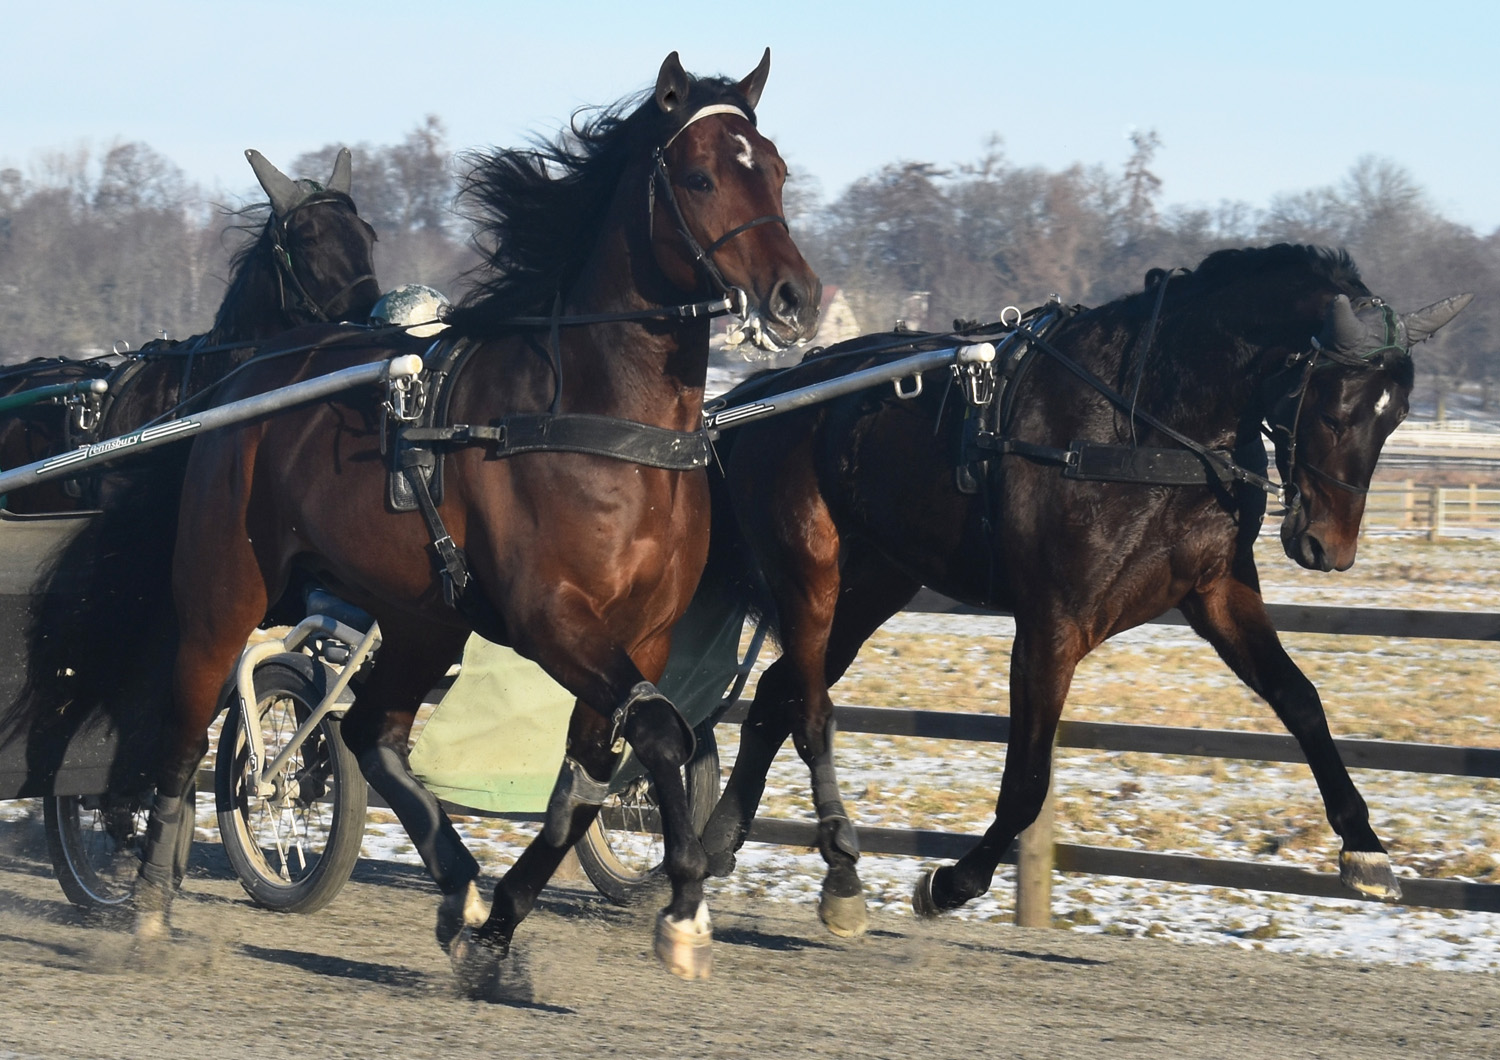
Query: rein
x=1228, y=469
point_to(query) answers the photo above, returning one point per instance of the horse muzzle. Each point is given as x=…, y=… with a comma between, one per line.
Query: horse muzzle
x=786, y=317
x=1307, y=548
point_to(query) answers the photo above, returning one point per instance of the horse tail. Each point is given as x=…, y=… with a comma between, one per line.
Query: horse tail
x=102, y=637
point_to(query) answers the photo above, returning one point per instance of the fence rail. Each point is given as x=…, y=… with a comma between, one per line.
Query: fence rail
x=1436, y=511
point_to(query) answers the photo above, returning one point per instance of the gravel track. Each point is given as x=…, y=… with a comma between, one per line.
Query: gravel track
x=364, y=978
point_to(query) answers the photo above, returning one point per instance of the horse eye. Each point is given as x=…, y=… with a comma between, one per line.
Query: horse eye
x=1332, y=424
x=697, y=181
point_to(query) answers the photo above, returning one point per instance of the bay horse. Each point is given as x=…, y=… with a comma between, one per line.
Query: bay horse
x=846, y=509
x=312, y=261
x=572, y=522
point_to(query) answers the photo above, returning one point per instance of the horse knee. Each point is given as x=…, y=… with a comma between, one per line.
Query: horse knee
x=659, y=734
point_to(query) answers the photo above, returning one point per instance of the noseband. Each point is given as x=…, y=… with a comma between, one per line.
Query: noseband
x=286, y=274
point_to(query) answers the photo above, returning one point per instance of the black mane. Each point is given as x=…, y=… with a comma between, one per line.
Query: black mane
x=250, y=264
x=536, y=208
x=1224, y=266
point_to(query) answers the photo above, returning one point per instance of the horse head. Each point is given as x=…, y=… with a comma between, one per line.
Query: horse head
x=322, y=250
x=716, y=213
x=1353, y=390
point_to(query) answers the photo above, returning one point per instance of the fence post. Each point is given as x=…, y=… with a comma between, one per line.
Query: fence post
x=1408, y=504
x=1034, y=861
x=1435, y=528
x=1473, y=503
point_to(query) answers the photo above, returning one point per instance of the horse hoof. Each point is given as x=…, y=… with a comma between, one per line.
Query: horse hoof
x=686, y=946
x=476, y=965
x=922, y=902
x=1369, y=872
x=845, y=917
x=720, y=863
x=457, y=911
x=151, y=926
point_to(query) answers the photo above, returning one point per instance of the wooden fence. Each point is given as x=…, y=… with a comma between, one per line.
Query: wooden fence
x=1436, y=511
x=1039, y=854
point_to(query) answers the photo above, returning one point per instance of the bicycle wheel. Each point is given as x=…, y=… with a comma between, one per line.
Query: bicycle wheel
x=622, y=851
x=294, y=848
x=96, y=843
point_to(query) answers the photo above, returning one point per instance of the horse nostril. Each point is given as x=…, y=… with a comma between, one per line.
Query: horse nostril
x=787, y=301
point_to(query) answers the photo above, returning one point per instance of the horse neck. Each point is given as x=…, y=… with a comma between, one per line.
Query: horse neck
x=651, y=371
x=254, y=306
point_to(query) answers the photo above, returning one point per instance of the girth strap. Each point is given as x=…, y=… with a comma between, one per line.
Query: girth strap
x=637, y=443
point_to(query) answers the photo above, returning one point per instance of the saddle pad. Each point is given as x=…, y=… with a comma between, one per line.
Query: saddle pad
x=496, y=740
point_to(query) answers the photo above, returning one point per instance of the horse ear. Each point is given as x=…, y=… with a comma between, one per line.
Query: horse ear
x=281, y=189
x=1421, y=324
x=1343, y=331
x=755, y=83
x=671, y=84
x=341, y=179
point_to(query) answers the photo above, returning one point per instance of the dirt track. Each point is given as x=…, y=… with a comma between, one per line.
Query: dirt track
x=363, y=978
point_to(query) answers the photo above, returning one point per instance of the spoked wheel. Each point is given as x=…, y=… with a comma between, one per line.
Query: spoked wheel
x=97, y=842
x=294, y=847
x=622, y=851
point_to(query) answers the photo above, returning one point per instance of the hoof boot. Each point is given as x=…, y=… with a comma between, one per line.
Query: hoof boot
x=686, y=946
x=922, y=902
x=845, y=917
x=1369, y=872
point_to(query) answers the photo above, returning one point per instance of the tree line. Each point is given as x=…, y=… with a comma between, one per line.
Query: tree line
x=122, y=246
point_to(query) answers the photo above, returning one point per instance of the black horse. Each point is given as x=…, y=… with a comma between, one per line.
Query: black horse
x=311, y=262
x=1117, y=473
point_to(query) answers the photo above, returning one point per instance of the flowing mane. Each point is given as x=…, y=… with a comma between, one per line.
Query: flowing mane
x=537, y=209
x=1228, y=266
x=251, y=262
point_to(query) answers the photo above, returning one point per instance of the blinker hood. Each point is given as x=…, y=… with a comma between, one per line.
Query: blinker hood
x=1359, y=335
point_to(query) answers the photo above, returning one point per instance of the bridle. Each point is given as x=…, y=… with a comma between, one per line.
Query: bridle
x=1315, y=357
x=702, y=256
x=732, y=300
x=286, y=272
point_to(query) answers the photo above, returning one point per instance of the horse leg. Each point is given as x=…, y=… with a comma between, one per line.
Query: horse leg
x=216, y=616
x=377, y=728
x=1041, y=670
x=1232, y=617
x=816, y=656
x=663, y=742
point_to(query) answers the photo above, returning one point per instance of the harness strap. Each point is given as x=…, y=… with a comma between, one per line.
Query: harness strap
x=1096, y=462
x=638, y=443
x=1229, y=470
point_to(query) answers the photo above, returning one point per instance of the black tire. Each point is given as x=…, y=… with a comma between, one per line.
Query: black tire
x=96, y=843
x=621, y=853
x=293, y=850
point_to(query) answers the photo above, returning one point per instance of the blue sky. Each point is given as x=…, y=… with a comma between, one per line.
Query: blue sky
x=1248, y=99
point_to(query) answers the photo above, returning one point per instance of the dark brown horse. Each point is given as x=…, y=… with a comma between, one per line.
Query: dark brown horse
x=310, y=262
x=848, y=508
x=574, y=491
